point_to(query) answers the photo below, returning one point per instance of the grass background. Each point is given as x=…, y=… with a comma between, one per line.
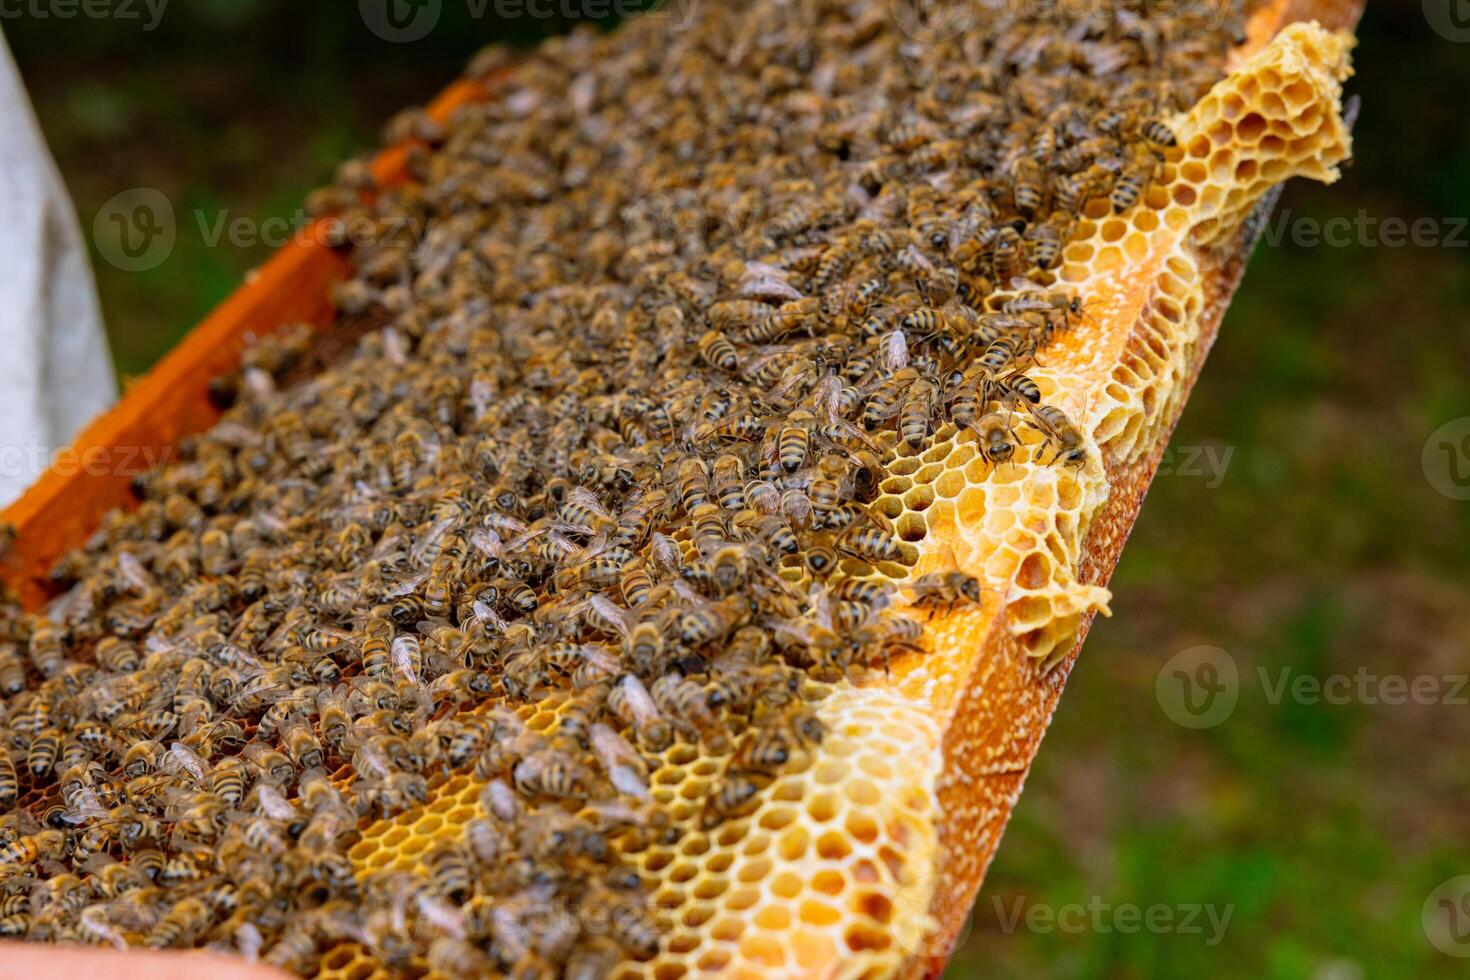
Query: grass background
x=1323, y=550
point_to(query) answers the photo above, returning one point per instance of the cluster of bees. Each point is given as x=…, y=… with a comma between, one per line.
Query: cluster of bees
x=608, y=441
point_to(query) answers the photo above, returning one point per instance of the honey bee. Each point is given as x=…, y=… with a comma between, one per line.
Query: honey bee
x=42, y=753
x=453, y=957
x=740, y=428
x=301, y=745
x=732, y=797
x=871, y=544
x=718, y=352
x=693, y=483
x=47, y=648
x=916, y=413
x=771, y=746
x=9, y=787
x=12, y=671
x=1058, y=432
x=552, y=773
x=49, y=844
x=997, y=440
x=1133, y=183
x=944, y=590
x=450, y=871
x=186, y=920
x=727, y=485
x=1028, y=185
x=1156, y=132
x=631, y=702
x=1006, y=254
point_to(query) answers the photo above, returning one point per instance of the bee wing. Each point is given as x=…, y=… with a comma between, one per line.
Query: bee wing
x=132, y=570
x=625, y=768
x=793, y=378
x=827, y=396
x=613, y=814
x=586, y=498
x=764, y=355
x=248, y=941
x=574, y=553
x=821, y=605
x=767, y=282
x=1021, y=284
x=850, y=431
x=611, y=612
x=487, y=541
x=895, y=350
x=686, y=592
x=85, y=807
x=405, y=586
x=525, y=537
x=272, y=804
x=440, y=914
x=919, y=259
x=185, y=759
x=664, y=552
x=487, y=616
x=404, y=651
x=420, y=549
x=881, y=412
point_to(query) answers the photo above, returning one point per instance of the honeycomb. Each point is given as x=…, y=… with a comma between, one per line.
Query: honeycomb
x=808, y=878
x=834, y=873
x=1021, y=527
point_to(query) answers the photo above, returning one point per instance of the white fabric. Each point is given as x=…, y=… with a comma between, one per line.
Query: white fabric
x=55, y=367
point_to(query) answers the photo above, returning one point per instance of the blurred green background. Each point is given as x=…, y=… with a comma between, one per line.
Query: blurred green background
x=1296, y=525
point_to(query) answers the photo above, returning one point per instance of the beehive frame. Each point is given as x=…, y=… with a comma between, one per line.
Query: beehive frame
x=988, y=713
